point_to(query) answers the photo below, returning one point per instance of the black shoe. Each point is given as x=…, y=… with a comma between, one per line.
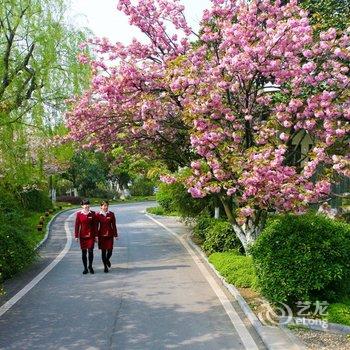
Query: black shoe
x=91, y=270
x=106, y=269
x=85, y=271
x=108, y=263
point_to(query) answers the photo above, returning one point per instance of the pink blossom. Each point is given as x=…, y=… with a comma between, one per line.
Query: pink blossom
x=168, y=179
x=231, y=191
x=195, y=192
x=247, y=211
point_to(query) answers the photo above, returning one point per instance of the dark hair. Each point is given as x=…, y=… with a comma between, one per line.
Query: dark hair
x=85, y=201
x=104, y=202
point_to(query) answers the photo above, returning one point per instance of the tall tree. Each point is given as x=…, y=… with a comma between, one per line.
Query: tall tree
x=38, y=72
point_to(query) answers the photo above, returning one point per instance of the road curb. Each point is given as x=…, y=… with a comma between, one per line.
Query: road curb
x=38, y=246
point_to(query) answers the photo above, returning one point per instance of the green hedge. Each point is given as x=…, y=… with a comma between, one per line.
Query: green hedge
x=16, y=231
x=220, y=237
x=16, y=249
x=303, y=258
x=236, y=268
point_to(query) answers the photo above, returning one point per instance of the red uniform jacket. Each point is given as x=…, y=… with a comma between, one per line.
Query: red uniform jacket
x=107, y=225
x=85, y=225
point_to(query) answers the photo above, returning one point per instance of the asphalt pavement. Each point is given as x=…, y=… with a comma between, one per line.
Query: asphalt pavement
x=154, y=297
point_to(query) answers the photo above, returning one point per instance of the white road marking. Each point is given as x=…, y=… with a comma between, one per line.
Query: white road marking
x=241, y=329
x=7, y=306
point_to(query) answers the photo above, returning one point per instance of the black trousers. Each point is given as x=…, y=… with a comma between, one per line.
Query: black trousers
x=106, y=255
x=85, y=257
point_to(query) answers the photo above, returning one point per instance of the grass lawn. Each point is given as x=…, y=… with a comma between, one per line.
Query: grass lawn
x=160, y=211
x=236, y=268
x=339, y=312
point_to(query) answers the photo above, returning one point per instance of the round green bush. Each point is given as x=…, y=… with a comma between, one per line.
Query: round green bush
x=303, y=258
x=203, y=221
x=220, y=237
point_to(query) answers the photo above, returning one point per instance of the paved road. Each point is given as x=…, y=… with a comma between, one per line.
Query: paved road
x=154, y=297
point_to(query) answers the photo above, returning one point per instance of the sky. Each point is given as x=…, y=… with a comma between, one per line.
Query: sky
x=103, y=18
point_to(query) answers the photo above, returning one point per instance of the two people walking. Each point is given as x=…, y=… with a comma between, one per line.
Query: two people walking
x=91, y=227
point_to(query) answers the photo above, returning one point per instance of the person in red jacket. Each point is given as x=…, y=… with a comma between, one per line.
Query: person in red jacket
x=86, y=233
x=107, y=230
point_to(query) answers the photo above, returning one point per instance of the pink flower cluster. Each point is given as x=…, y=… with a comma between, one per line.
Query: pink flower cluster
x=168, y=179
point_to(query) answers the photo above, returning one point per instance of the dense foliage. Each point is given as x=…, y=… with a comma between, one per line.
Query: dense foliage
x=220, y=237
x=175, y=198
x=16, y=248
x=305, y=257
x=38, y=72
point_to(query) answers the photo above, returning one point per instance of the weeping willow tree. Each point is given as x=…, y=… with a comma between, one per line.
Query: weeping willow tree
x=38, y=72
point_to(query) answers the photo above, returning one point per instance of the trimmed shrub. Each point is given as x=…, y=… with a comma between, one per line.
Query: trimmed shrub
x=236, y=268
x=220, y=237
x=305, y=257
x=203, y=221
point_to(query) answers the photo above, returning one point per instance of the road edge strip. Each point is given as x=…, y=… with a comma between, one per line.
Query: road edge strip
x=238, y=324
x=263, y=331
x=259, y=327
x=48, y=226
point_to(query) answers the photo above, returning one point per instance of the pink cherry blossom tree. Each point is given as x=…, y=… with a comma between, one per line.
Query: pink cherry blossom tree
x=250, y=139
x=247, y=140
